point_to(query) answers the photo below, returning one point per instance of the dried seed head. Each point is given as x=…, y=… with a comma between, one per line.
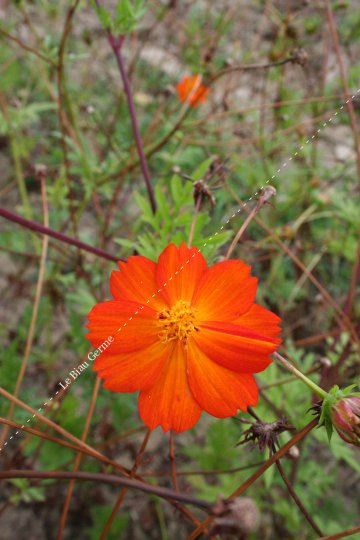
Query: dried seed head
x=202, y=191
x=325, y=362
x=40, y=170
x=299, y=56
x=293, y=453
x=237, y=517
x=265, y=434
x=266, y=193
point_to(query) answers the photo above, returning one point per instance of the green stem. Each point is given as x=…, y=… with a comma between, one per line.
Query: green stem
x=314, y=387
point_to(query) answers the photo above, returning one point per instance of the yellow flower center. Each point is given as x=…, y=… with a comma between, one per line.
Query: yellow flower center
x=177, y=322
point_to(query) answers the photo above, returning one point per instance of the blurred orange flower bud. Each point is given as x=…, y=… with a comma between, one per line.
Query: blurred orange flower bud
x=191, y=90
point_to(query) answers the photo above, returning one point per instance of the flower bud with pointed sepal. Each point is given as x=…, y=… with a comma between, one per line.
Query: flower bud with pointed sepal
x=341, y=410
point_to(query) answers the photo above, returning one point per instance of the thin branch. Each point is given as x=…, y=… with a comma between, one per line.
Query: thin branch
x=149, y=151
x=78, y=459
x=314, y=387
x=298, y=502
x=193, y=223
x=39, y=285
x=266, y=194
x=44, y=436
x=164, y=493
x=116, y=46
x=209, y=472
x=58, y=429
x=341, y=317
x=27, y=47
x=124, y=489
x=343, y=76
x=355, y=277
x=172, y=461
x=342, y=534
x=89, y=451
x=248, y=67
x=35, y=226
x=60, y=102
x=261, y=107
x=273, y=459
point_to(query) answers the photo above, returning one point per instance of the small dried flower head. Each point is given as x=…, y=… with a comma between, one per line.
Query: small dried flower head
x=237, y=517
x=299, y=56
x=40, y=170
x=266, y=193
x=293, y=453
x=340, y=409
x=202, y=190
x=265, y=434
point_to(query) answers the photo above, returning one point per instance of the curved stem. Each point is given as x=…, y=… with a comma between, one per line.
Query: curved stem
x=116, y=47
x=314, y=387
x=35, y=226
x=164, y=493
x=35, y=310
x=342, y=534
x=124, y=489
x=63, y=432
x=78, y=459
x=172, y=461
x=193, y=223
x=296, y=498
x=240, y=233
x=265, y=194
x=273, y=459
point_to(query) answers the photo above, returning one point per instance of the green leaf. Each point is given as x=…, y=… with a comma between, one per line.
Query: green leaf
x=126, y=17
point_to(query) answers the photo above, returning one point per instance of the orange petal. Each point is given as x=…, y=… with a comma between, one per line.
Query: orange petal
x=169, y=403
x=235, y=347
x=132, y=325
x=190, y=89
x=225, y=292
x=185, y=85
x=179, y=271
x=136, y=282
x=218, y=390
x=133, y=371
x=260, y=320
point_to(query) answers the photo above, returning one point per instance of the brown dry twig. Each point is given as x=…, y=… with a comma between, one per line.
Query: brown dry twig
x=162, y=492
x=40, y=174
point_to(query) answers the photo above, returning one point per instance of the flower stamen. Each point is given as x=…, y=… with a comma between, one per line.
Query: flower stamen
x=177, y=322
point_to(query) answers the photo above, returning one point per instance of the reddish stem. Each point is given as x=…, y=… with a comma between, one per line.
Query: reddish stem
x=35, y=226
x=273, y=459
x=116, y=44
x=162, y=492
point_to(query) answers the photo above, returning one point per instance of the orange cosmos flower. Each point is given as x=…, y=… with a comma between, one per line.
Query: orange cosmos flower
x=190, y=337
x=190, y=89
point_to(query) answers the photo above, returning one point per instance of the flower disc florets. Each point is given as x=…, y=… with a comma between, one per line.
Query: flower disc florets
x=177, y=322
